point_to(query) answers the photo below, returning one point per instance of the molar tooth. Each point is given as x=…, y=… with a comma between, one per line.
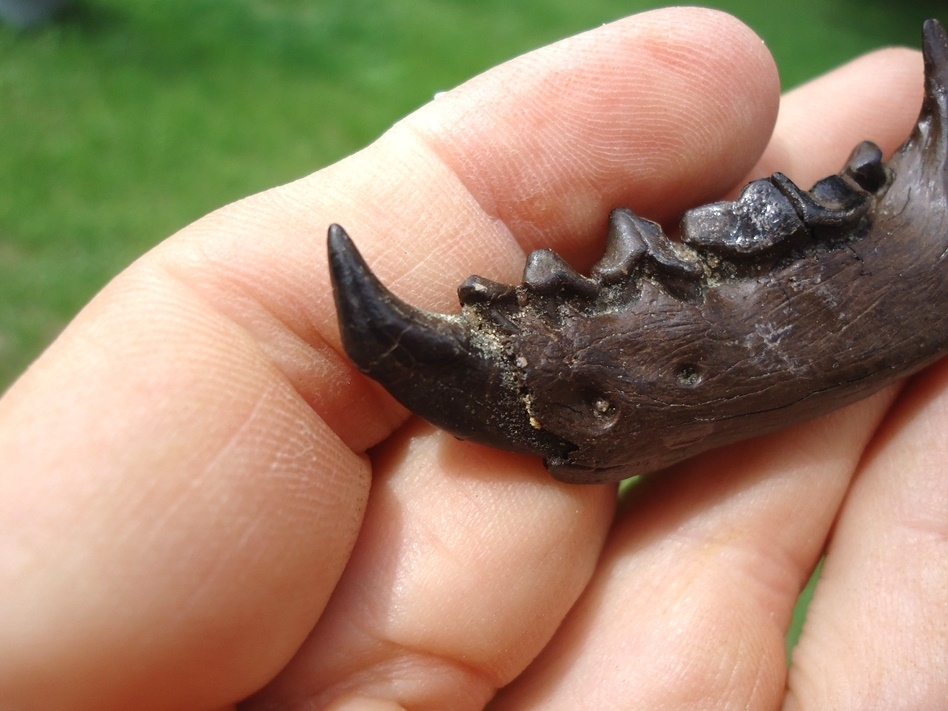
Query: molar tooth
x=547, y=273
x=761, y=220
x=865, y=167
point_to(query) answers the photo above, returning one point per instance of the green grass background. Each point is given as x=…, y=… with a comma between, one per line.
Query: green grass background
x=126, y=119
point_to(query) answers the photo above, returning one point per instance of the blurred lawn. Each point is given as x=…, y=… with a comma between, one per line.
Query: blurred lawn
x=127, y=119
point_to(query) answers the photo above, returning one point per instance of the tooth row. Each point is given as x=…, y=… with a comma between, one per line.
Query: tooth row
x=632, y=243
x=771, y=214
x=775, y=214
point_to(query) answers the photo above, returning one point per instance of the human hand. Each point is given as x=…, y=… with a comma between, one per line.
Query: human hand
x=189, y=513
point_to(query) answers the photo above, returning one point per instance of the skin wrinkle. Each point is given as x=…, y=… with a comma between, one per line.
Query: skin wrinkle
x=399, y=628
x=722, y=665
x=233, y=294
x=477, y=546
x=761, y=694
x=363, y=703
x=459, y=242
x=383, y=675
x=386, y=671
x=260, y=402
x=164, y=526
x=176, y=498
x=479, y=227
x=744, y=558
x=509, y=241
x=239, y=276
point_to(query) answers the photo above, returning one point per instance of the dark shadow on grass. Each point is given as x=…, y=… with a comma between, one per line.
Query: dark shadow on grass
x=186, y=38
x=887, y=23
x=87, y=17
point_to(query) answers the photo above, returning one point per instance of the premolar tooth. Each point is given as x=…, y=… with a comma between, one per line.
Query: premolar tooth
x=631, y=241
x=547, y=273
x=478, y=290
x=832, y=202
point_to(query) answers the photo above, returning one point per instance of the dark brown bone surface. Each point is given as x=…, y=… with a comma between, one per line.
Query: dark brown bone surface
x=775, y=308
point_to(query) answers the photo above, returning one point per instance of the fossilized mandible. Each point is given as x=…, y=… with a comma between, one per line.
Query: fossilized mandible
x=777, y=307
